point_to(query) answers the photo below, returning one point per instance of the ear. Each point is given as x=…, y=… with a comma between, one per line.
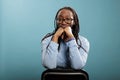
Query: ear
x=73, y=23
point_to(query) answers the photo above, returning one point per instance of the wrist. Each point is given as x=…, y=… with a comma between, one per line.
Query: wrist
x=70, y=39
x=55, y=39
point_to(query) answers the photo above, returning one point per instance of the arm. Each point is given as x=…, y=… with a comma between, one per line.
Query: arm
x=49, y=53
x=78, y=57
x=50, y=50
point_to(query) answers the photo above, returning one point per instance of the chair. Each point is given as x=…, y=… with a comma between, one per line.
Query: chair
x=64, y=74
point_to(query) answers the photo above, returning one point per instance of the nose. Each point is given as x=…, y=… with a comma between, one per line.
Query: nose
x=63, y=22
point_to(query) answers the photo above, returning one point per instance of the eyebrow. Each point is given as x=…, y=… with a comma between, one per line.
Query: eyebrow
x=65, y=16
x=60, y=16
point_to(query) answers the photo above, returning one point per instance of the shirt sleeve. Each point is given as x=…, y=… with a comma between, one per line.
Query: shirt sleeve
x=49, y=53
x=78, y=57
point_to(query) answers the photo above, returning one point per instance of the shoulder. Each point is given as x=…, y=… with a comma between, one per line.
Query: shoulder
x=47, y=39
x=83, y=39
x=84, y=42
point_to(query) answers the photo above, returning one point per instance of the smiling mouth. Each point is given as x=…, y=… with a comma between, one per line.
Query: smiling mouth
x=63, y=26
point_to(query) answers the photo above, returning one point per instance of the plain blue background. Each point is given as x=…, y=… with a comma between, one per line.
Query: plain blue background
x=23, y=23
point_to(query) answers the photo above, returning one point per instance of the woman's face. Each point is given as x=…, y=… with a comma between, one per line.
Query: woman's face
x=65, y=18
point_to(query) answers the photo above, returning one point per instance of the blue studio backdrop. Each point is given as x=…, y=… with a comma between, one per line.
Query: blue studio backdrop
x=23, y=23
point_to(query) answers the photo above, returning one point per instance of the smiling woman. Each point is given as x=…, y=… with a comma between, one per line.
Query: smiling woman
x=24, y=22
x=64, y=48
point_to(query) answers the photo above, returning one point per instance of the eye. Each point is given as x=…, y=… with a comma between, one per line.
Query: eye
x=67, y=19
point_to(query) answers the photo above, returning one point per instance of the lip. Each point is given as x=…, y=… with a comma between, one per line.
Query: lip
x=63, y=26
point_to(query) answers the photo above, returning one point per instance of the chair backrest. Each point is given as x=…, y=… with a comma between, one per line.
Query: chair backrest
x=64, y=74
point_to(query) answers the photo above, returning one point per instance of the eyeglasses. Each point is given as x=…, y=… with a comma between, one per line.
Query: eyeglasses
x=67, y=20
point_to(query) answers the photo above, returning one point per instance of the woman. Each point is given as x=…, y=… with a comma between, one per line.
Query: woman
x=64, y=47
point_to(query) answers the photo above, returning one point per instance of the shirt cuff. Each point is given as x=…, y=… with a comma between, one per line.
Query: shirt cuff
x=70, y=39
x=71, y=43
x=53, y=45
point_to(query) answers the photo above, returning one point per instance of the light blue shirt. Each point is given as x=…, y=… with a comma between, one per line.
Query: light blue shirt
x=68, y=54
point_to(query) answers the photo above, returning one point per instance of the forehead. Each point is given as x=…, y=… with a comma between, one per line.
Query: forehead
x=65, y=13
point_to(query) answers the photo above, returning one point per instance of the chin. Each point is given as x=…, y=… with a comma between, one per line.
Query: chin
x=63, y=26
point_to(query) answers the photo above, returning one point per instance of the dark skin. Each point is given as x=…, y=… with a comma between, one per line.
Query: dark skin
x=64, y=31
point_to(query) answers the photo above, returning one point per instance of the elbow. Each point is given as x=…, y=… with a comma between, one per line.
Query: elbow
x=49, y=65
x=78, y=65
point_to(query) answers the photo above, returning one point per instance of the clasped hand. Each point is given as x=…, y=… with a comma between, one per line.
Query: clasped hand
x=64, y=33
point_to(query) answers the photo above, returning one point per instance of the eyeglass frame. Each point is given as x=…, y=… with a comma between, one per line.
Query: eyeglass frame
x=60, y=20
